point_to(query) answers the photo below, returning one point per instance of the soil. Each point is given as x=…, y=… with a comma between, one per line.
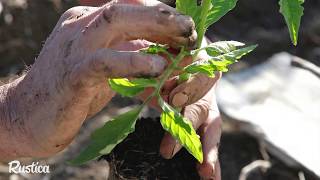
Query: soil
x=138, y=158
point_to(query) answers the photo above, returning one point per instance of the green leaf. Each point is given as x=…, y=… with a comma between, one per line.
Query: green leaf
x=221, y=47
x=292, y=11
x=220, y=62
x=208, y=67
x=235, y=55
x=107, y=137
x=218, y=10
x=189, y=7
x=155, y=49
x=181, y=129
x=131, y=88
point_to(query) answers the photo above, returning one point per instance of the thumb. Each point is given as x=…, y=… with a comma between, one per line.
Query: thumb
x=192, y=90
x=121, y=64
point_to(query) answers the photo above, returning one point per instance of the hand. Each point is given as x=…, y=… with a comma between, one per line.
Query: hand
x=197, y=98
x=203, y=113
x=67, y=83
x=205, y=117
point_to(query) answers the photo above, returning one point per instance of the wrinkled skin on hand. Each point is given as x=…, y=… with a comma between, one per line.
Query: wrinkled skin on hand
x=67, y=83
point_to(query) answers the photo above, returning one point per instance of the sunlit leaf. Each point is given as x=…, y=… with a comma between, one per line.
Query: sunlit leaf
x=219, y=62
x=155, y=49
x=221, y=47
x=131, y=88
x=181, y=129
x=218, y=10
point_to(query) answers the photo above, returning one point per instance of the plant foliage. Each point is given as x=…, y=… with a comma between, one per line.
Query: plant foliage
x=292, y=11
x=222, y=54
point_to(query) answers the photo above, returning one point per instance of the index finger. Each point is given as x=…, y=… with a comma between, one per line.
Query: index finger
x=154, y=21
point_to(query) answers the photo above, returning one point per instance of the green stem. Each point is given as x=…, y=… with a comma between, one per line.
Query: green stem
x=170, y=69
x=206, y=5
x=175, y=61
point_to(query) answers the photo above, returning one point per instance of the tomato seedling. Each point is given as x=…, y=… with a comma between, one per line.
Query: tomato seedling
x=222, y=54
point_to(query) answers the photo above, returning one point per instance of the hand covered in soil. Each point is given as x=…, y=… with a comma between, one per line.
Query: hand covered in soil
x=203, y=111
x=44, y=109
x=205, y=117
x=197, y=99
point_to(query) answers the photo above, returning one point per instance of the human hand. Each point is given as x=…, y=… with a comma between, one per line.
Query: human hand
x=205, y=117
x=67, y=83
x=197, y=99
x=203, y=112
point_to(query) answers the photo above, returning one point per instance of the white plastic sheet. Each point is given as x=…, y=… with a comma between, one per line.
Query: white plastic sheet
x=281, y=104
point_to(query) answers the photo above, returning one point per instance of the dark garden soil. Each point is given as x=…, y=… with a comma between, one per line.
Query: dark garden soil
x=138, y=158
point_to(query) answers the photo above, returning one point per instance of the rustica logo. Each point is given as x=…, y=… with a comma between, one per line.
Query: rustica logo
x=36, y=168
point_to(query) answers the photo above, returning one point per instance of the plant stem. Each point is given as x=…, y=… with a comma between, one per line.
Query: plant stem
x=170, y=69
x=175, y=61
x=206, y=5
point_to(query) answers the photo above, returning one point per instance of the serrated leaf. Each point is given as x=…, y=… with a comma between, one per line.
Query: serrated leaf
x=131, y=88
x=235, y=55
x=208, y=67
x=292, y=10
x=221, y=47
x=189, y=7
x=218, y=10
x=218, y=63
x=107, y=137
x=155, y=49
x=181, y=129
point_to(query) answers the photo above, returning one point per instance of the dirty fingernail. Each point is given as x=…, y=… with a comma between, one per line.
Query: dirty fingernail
x=176, y=149
x=206, y=170
x=180, y=99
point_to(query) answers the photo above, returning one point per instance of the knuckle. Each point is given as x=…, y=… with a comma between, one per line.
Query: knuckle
x=73, y=15
x=143, y=64
x=95, y=62
x=198, y=112
x=111, y=12
x=203, y=105
x=70, y=13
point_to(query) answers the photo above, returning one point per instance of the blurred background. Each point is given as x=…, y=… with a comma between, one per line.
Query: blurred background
x=269, y=101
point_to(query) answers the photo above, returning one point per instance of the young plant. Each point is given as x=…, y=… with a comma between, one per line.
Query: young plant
x=222, y=53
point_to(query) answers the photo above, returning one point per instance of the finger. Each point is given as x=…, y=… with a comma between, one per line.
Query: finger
x=169, y=85
x=92, y=2
x=218, y=171
x=210, y=133
x=192, y=90
x=119, y=64
x=197, y=113
x=124, y=22
x=133, y=45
